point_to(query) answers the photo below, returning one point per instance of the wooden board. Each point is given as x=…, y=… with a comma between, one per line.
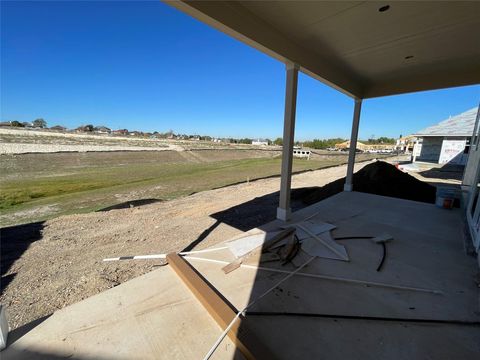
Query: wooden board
x=221, y=311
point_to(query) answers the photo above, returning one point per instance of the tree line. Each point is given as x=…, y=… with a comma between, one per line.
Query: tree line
x=38, y=123
x=313, y=144
x=380, y=140
x=322, y=143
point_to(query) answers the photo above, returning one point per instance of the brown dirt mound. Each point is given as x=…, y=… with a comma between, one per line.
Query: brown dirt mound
x=379, y=178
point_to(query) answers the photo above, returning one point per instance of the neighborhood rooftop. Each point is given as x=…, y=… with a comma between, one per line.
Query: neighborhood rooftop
x=458, y=125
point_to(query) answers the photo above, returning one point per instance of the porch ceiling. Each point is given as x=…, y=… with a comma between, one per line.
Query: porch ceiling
x=353, y=46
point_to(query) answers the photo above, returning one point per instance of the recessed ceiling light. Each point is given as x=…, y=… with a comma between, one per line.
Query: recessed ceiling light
x=408, y=57
x=384, y=8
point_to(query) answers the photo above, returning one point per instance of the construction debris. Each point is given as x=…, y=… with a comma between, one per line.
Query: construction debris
x=245, y=245
x=232, y=266
x=290, y=249
x=382, y=239
x=322, y=245
x=255, y=245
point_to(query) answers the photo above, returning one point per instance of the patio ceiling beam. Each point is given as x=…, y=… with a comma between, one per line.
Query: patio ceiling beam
x=353, y=145
x=284, y=210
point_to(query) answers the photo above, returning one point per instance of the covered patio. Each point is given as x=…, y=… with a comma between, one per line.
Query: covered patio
x=424, y=303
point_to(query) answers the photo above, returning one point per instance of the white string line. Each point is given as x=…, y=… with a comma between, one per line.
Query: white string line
x=325, y=243
x=324, y=277
x=162, y=256
x=227, y=329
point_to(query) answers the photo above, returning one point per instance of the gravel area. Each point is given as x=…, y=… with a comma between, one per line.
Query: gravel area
x=42, y=134
x=20, y=141
x=22, y=148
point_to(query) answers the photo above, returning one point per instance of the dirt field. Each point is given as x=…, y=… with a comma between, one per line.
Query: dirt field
x=79, y=207
x=49, y=265
x=36, y=187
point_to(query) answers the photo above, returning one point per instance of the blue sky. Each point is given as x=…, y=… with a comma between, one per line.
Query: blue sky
x=146, y=66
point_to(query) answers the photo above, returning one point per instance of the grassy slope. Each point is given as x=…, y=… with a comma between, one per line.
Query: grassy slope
x=73, y=184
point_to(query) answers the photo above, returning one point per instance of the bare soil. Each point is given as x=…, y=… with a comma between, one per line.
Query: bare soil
x=37, y=187
x=378, y=178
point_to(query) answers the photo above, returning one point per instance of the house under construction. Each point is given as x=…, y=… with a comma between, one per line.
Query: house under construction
x=447, y=142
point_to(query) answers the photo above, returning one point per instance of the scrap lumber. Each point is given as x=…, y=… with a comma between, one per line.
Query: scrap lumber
x=257, y=251
x=221, y=311
x=281, y=235
x=235, y=264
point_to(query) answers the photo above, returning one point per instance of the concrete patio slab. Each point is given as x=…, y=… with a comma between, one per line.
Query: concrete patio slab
x=156, y=317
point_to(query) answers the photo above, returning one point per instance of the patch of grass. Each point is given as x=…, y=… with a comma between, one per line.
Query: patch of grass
x=87, y=182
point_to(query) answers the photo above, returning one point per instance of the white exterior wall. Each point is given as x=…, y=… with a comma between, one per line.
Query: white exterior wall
x=452, y=152
x=441, y=150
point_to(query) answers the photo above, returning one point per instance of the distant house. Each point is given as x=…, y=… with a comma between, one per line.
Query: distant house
x=260, y=142
x=448, y=141
x=102, y=130
x=405, y=143
x=135, y=133
x=120, y=132
x=84, y=129
x=371, y=148
x=346, y=146
x=58, y=128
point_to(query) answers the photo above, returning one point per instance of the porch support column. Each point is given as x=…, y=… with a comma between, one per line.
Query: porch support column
x=353, y=145
x=283, y=210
